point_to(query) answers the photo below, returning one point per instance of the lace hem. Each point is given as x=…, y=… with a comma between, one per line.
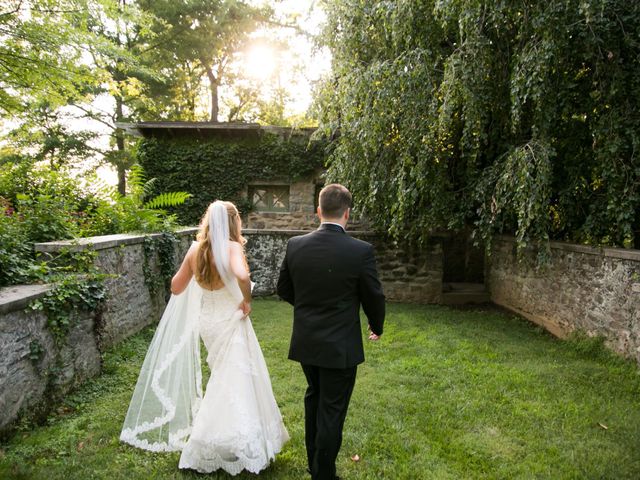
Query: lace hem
x=205, y=459
x=177, y=441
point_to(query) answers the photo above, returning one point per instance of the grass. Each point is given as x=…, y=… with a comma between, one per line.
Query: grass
x=445, y=394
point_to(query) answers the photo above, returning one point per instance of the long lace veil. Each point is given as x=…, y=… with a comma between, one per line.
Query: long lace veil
x=169, y=388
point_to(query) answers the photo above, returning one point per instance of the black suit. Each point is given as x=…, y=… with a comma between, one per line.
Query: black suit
x=326, y=275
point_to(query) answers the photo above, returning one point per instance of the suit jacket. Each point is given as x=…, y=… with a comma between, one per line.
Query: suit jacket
x=326, y=275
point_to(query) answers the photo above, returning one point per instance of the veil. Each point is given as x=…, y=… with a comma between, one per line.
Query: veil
x=169, y=388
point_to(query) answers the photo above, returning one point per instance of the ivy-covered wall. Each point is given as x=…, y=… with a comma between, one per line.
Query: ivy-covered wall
x=40, y=361
x=221, y=168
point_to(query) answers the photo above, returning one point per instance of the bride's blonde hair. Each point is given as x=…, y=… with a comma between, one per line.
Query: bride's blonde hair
x=206, y=272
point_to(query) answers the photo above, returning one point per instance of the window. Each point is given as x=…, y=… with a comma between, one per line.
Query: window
x=269, y=198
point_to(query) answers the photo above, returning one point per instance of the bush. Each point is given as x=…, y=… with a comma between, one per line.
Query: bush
x=16, y=258
x=41, y=205
x=45, y=218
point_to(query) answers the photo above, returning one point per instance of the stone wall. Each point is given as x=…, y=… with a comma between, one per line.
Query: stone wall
x=406, y=274
x=34, y=368
x=32, y=364
x=130, y=304
x=593, y=290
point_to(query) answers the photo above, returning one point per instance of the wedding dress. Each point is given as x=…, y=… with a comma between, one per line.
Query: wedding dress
x=237, y=424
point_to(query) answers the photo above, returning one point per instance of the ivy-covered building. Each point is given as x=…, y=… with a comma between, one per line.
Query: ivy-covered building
x=273, y=174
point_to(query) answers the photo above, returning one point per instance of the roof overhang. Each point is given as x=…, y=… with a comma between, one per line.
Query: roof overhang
x=205, y=129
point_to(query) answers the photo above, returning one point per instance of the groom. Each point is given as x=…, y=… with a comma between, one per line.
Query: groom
x=326, y=275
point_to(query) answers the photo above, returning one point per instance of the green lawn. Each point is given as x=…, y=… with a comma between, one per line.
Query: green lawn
x=445, y=394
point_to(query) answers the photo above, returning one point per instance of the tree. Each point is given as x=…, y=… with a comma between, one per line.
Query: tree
x=41, y=53
x=203, y=35
x=68, y=52
x=501, y=116
x=44, y=132
x=120, y=56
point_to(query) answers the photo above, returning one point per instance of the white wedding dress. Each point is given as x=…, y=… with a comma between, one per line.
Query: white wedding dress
x=237, y=425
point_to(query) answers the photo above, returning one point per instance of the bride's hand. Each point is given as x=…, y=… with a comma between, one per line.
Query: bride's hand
x=246, y=308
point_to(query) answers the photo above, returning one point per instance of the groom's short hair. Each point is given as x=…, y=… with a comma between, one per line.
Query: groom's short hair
x=334, y=200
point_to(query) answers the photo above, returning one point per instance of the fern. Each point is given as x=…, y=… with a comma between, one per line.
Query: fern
x=169, y=199
x=148, y=187
x=136, y=178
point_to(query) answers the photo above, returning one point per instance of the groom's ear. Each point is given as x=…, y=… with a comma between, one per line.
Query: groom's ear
x=319, y=211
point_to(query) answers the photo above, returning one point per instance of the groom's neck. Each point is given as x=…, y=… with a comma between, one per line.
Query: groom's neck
x=338, y=221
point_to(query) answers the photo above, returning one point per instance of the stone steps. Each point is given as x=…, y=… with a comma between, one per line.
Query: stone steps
x=464, y=293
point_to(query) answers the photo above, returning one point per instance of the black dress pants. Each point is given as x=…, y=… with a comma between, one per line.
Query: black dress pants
x=325, y=407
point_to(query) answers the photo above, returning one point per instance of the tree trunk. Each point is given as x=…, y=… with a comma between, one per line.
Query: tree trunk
x=214, y=102
x=120, y=163
x=213, y=89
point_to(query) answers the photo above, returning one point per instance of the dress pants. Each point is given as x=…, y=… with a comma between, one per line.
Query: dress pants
x=325, y=406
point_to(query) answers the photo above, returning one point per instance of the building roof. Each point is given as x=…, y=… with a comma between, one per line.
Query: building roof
x=206, y=129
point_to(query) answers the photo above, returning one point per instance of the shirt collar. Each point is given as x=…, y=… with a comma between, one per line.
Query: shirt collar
x=331, y=226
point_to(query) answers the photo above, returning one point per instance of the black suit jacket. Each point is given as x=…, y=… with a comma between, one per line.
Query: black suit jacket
x=326, y=275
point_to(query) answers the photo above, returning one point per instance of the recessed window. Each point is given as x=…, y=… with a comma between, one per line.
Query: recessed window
x=269, y=198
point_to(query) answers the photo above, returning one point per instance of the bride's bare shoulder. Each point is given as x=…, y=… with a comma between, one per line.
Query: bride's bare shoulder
x=235, y=245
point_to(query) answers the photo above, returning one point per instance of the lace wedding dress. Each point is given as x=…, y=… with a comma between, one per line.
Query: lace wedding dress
x=238, y=425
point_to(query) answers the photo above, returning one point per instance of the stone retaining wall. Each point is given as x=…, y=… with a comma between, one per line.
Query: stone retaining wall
x=34, y=369
x=130, y=305
x=32, y=365
x=594, y=290
x=407, y=275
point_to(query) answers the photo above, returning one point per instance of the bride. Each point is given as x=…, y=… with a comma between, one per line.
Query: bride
x=237, y=424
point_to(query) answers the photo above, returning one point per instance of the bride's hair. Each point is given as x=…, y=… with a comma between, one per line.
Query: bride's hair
x=206, y=272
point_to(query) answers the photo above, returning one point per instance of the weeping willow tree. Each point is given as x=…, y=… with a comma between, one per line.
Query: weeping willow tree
x=504, y=116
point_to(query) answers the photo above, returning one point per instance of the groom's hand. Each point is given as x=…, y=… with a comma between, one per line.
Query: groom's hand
x=372, y=336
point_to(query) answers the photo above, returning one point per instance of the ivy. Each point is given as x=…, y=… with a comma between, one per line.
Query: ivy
x=36, y=351
x=77, y=285
x=69, y=294
x=162, y=247
x=221, y=168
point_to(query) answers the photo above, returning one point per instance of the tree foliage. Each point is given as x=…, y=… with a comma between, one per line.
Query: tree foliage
x=199, y=39
x=41, y=52
x=516, y=117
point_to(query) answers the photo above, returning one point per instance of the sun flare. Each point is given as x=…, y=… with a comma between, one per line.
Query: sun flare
x=260, y=62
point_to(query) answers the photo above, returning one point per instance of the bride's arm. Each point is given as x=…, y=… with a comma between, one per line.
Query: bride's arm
x=183, y=276
x=240, y=270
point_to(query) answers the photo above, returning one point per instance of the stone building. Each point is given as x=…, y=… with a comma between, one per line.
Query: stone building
x=276, y=203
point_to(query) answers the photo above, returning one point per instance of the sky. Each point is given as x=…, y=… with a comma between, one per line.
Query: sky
x=301, y=66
